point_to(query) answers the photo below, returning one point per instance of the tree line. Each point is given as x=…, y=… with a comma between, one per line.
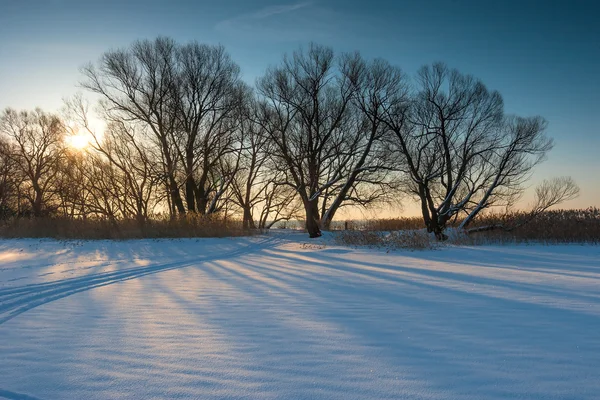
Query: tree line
x=320, y=131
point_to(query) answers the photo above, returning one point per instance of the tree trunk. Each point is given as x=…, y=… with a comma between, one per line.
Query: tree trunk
x=176, y=196
x=248, y=222
x=201, y=195
x=437, y=229
x=326, y=223
x=329, y=214
x=312, y=219
x=189, y=193
x=430, y=216
x=173, y=187
x=37, y=203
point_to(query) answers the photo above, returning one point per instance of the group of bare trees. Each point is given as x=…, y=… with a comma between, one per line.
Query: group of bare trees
x=186, y=136
x=30, y=160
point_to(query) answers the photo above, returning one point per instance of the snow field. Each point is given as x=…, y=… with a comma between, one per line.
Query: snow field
x=282, y=317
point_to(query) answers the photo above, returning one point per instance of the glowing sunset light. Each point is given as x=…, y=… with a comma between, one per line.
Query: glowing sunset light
x=78, y=141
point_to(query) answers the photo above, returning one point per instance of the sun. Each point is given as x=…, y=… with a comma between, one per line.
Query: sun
x=78, y=141
x=80, y=137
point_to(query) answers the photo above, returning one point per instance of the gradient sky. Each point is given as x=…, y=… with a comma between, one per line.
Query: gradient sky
x=543, y=56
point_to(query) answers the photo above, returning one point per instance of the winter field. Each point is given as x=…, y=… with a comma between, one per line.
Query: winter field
x=282, y=317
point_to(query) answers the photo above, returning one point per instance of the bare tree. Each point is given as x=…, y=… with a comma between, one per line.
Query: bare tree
x=8, y=184
x=209, y=94
x=366, y=173
x=38, y=150
x=461, y=154
x=323, y=144
x=220, y=181
x=139, y=85
x=252, y=177
x=548, y=193
x=279, y=202
x=507, y=167
x=552, y=192
x=72, y=185
x=188, y=99
x=257, y=187
x=120, y=162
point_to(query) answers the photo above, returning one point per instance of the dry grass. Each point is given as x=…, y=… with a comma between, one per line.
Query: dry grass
x=383, y=224
x=556, y=226
x=65, y=228
x=407, y=239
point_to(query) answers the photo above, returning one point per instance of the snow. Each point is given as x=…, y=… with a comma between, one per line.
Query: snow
x=285, y=317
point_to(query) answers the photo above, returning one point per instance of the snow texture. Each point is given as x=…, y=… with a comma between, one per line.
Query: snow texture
x=282, y=317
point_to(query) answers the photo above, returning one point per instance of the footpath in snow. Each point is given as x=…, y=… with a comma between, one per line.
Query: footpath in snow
x=284, y=317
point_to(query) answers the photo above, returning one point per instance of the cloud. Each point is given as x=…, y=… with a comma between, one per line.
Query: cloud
x=267, y=12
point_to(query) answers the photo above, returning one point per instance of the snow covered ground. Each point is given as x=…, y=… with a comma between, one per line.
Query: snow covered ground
x=282, y=317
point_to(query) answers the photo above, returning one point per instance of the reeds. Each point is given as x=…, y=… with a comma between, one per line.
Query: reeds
x=554, y=226
x=67, y=228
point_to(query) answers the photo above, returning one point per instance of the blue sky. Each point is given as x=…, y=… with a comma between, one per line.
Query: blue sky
x=543, y=56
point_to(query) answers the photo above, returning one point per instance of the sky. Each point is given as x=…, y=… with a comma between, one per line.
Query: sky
x=542, y=56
